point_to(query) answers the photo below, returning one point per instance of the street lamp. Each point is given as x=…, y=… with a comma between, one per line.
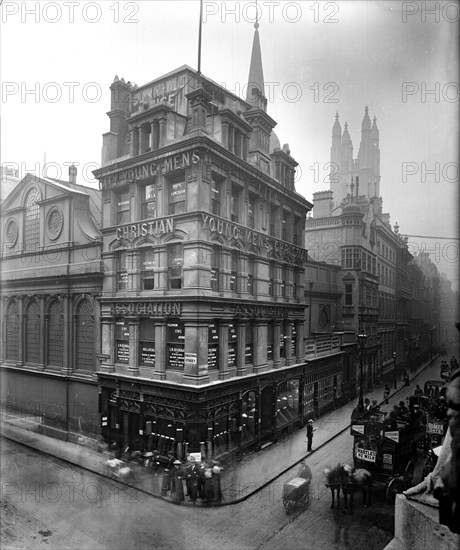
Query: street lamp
x=394, y=368
x=362, y=343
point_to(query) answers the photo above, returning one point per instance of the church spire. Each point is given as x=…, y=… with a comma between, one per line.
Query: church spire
x=337, y=129
x=256, y=86
x=366, y=124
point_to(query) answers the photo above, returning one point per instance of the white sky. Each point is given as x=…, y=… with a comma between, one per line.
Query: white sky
x=357, y=53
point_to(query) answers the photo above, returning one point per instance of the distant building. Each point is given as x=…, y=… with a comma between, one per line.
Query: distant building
x=375, y=279
x=51, y=276
x=9, y=178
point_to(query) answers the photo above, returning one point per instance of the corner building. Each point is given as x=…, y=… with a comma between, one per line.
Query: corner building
x=202, y=308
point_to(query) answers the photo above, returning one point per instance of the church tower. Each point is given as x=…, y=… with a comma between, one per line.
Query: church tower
x=364, y=171
x=261, y=122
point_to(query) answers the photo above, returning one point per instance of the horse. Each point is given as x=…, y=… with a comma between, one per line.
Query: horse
x=334, y=482
x=354, y=480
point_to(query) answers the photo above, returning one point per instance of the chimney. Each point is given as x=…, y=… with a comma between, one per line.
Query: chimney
x=322, y=204
x=73, y=174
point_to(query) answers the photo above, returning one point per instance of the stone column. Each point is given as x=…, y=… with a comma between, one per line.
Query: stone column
x=300, y=342
x=225, y=134
x=108, y=343
x=240, y=359
x=42, y=333
x=196, y=352
x=2, y=329
x=260, y=346
x=160, y=350
x=276, y=343
x=162, y=131
x=20, y=361
x=133, y=366
x=68, y=334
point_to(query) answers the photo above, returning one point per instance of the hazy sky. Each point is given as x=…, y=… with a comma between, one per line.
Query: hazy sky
x=58, y=60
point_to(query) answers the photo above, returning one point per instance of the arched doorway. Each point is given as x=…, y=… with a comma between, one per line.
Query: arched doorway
x=267, y=413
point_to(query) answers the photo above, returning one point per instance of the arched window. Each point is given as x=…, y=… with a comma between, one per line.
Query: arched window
x=32, y=221
x=32, y=333
x=55, y=334
x=85, y=336
x=12, y=332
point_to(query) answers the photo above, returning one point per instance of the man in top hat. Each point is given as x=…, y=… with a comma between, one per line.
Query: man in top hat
x=310, y=431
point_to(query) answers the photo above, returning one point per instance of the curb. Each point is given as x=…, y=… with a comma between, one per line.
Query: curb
x=214, y=505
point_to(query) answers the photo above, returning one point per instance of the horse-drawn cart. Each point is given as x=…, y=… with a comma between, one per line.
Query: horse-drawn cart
x=388, y=452
x=296, y=491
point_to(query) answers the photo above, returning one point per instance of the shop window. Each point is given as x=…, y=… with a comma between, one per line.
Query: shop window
x=248, y=351
x=147, y=342
x=121, y=341
x=149, y=201
x=234, y=272
x=122, y=270
x=123, y=215
x=85, y=334
x=235, y=204
x=287, y=402
x=175, y=336
x=213, y=346
x=215, y=263
x=175, y=266
x=248, y=417
x=32, y=333
x=309, y=399
x=148, y=266
x=232, y=345
x=216, y=193
x=283, y=339
x=176, y=194
x=12, y=332
x=32, y=221
x=348, y=294
x=293, y=339
x=298, y=229
x=55, y=328
x=284, y=276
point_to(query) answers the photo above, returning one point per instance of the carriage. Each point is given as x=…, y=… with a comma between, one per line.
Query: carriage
x=296, y=491
x=388, y=453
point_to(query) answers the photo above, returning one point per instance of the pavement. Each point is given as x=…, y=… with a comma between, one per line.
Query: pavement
x=239, y=480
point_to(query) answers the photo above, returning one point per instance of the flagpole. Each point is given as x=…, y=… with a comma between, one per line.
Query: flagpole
x=199, y=38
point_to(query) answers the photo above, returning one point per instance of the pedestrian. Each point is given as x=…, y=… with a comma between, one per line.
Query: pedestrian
x=192, y=478
x=310, y=431
x=367, y=405
x=386, y=393
x=418, y=391
x=334, y=396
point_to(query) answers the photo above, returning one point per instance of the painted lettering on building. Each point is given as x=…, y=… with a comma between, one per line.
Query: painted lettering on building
x=289, y=252
x=150, y=169
x=155, y=229
x=148, y=309
x=250, y=310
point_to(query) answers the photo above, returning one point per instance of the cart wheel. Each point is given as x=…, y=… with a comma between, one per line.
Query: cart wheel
x=409, y=473
x=285, y=502
x=395, y=486
x=289, y=506
x=306, y=500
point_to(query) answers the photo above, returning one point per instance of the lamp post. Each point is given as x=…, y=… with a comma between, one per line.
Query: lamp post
x=394, y=368
x=362, y=343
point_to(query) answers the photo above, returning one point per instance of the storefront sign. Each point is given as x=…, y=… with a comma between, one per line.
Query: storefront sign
x=366, y=454
x=154, y=229
x=250, y=310
x=148, y=355
x=150, y=169
x=288, y=252
x=394, y=436
x=176, y=356
x=122, y=352
x=387, y=462
x=435, y=428
x=232, y=345
x=190, y=359
x=154, y=309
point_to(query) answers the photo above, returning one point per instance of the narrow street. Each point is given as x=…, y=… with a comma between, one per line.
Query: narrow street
x=49, y=503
